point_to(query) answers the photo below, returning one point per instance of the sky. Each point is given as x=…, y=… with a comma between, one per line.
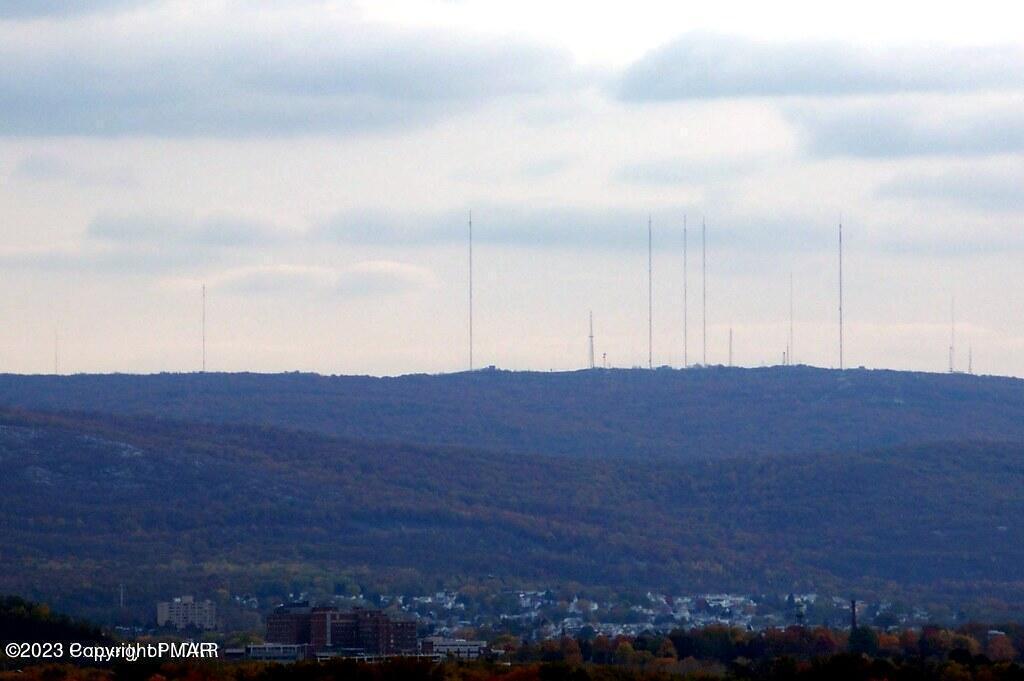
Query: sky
x=314, y=165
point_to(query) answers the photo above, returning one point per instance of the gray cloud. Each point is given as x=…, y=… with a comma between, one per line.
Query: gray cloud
x=88, y=258
x=50, y=168
x=31, y=9
x=752, y=240
x=888, y=129
x=149, y=244
x=383, y=277
x=504, y=225
x=681, y=171
x=546, y=167
x=980, y=190
x=577, y=229
x=41, y=167
x=164, y=232
x=951, y=246
x=700, y=65
x=246, y=81
x=155, y=245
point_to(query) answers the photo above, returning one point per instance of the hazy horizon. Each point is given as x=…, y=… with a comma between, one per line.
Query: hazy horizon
x=500, y=369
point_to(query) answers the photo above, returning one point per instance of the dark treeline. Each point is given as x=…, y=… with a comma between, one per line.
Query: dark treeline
x=724, y=648
x=778, y=655
x=22, y=620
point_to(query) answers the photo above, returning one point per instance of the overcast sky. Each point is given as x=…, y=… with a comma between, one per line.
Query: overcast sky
x=314, y=164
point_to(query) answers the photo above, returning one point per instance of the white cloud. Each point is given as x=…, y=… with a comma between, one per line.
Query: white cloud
x=366, y=278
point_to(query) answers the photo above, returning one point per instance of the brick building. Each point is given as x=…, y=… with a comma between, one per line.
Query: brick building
x=359, y=631
x=289, y=624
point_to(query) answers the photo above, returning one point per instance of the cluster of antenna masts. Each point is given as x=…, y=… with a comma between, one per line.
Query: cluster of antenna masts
x=787, y=355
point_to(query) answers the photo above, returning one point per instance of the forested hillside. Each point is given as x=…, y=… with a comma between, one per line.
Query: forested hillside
x=165, y=508
x=670, y=414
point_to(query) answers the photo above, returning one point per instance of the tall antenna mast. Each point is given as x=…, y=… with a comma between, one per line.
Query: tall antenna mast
x=730, y=345
x=952, y=335
x=204, y=328
x=650, y=298
x=970, y=360
x=704, y=287
x=591, y=339
x=789, y=348
x=840, y=293
x=471, y=290
x=686, y=335
x=56, y=351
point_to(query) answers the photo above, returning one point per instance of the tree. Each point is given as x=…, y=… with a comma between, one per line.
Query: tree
x=1000, y=648
x=863, y=640
x=571, y=651
x=666, y=649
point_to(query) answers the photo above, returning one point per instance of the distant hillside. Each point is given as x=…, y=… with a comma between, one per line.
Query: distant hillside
x=179, y=508
x=690, y=414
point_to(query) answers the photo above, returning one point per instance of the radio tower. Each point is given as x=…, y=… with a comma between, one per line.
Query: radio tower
x=470, y=290
x=952, y=335
x=650, y=298
x=789, y=348
x=704, y=288
x=840, y=293
x=56, y=351
x=686, y=335
x=730, y=345
x=591, y=339
x=204, y=328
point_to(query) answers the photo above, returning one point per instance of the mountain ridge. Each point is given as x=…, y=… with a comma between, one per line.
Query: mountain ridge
x=673, y=414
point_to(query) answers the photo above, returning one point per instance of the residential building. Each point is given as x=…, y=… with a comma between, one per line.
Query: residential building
x=186, y=612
